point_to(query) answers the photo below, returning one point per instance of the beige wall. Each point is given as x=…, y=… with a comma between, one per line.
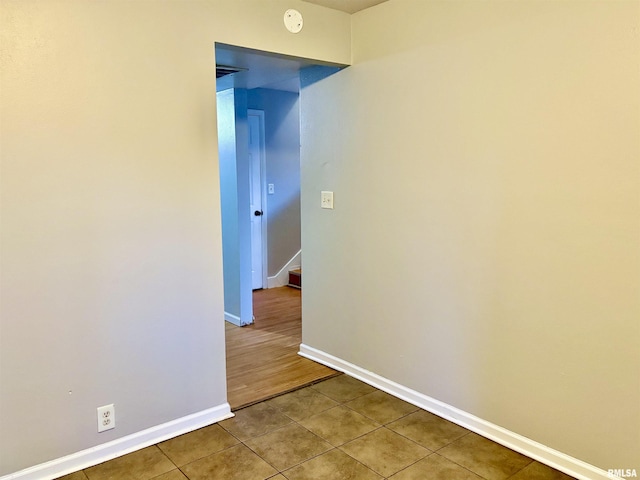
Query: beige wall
x=110, y=225
x=485, y=244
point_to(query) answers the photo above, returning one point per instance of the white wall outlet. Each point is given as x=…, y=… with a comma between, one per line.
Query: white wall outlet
x=271, y=189
x=326, y=199
x=106, y=418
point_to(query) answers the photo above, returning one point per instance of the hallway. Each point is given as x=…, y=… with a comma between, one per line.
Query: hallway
x=262, y=359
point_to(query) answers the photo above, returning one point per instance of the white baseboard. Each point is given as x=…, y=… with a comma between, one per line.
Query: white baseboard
x=122, y=446
x=281, y=278
x=553, y=458
x=231, y=318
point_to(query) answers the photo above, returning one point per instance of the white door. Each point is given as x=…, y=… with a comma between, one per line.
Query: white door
x=258, y=220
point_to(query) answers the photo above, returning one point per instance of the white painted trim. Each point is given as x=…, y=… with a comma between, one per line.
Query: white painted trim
x=122, y=446
x=229, y=317
x=553, y=458
x=281, y=278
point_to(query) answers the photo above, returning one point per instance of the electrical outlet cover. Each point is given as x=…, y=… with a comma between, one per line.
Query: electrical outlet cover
x=106, y=418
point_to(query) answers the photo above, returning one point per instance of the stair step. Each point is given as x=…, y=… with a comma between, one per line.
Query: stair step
x=295, y=278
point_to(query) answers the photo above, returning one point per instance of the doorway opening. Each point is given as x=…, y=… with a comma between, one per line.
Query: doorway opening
x=258, y=99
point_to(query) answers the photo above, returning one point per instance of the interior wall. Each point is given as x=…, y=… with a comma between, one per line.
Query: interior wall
x=110, y=241
x=282, y=152
x=485, y=159
x=233, y=151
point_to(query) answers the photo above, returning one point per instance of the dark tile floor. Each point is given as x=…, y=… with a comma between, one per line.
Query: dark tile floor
x=337, y=429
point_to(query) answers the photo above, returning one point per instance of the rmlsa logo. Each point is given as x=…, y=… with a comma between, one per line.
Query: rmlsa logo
x=623, y=473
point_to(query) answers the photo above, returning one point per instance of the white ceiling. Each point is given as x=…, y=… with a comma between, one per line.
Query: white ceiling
x=349, y=6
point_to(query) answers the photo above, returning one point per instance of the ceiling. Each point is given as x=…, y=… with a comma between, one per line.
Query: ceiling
x=260, y=69
x=266, y=70
x=349, y=6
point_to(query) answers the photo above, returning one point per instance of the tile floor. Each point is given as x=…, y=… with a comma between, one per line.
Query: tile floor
x=337, y=429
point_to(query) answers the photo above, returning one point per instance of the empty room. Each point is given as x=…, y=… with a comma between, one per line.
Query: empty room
x=477, y=274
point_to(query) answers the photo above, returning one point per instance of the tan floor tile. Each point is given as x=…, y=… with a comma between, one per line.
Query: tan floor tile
x=538, y=471
x=381, y=407
x=254, y=421
x=339, y=425
x=343, y=388
x=140, y=465
x=334, y=465
x=385, y=452
x=302, y=403
x=401, y=450
x=172, y=475
x=235, y=463
x=428, y=429
x=197, y=444
x=288, y=446
x=484, y=457
x=74, y=476
x=435, y=467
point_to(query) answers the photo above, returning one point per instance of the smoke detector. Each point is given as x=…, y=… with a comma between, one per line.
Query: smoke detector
x=293, y=20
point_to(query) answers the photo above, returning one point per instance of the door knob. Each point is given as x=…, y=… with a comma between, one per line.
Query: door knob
x=258, y=213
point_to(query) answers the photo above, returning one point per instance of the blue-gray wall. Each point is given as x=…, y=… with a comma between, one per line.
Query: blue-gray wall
x=282, y=152
x=282, y=144
x=233, y=149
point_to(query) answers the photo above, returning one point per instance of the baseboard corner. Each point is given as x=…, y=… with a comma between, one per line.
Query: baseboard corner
x=542, y=453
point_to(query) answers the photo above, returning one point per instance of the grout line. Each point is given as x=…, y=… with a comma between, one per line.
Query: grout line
x=431, y=453
x=461, y=466
x=332, y=446
x=532, y=460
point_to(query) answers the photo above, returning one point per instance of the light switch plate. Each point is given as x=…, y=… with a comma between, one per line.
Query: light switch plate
x=326, y=199
x=271, y=189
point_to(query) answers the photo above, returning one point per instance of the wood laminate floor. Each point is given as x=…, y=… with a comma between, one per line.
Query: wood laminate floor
x=262, y=359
